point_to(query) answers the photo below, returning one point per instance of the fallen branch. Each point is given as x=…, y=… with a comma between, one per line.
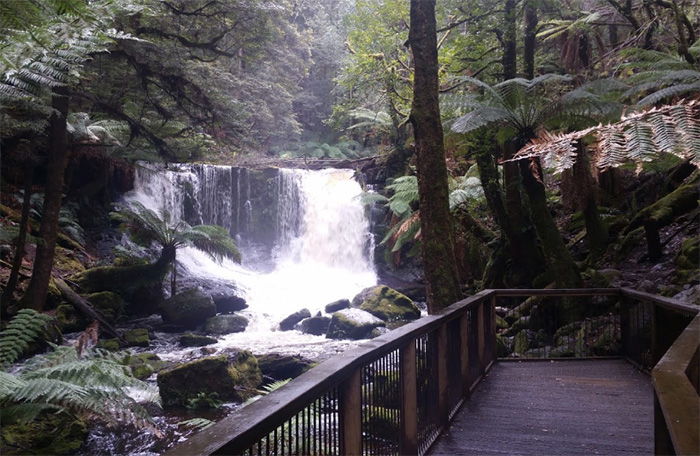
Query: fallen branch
x=85, y=308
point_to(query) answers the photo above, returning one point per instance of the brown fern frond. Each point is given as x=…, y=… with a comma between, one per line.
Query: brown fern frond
x=88, y=339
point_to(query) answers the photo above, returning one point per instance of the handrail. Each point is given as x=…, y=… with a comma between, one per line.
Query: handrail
x=395, y=393
x=677, y=406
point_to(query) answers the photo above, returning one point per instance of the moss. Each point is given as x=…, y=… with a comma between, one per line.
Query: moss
x=688, y=258
x=109, y=344
x=344, y=325
x=389, y=305
x=226, y=324
x=196, y=340
x=521, y=342
x=69, y=320
x=233, y=378
x=111, y=305
x=55, y=434
x=143, y=365
x=678, y=202
x=137, y=337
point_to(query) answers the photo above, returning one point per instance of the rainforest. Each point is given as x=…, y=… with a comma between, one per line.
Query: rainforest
x=200, y=200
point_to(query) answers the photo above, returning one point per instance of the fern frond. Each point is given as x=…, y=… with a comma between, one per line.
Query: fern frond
x=214, y=241
x=26, y=327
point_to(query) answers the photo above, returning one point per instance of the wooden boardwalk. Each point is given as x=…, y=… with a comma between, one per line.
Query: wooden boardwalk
x=563, y=408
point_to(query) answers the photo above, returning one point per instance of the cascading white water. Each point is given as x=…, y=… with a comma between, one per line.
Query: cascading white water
x=322, y=253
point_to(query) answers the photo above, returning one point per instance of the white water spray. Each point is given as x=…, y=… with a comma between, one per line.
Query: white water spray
x=323, y=248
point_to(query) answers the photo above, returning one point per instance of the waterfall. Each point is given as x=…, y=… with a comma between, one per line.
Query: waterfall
x=310, y=226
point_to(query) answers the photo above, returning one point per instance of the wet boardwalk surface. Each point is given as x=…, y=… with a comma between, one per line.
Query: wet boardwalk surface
x=555, y=408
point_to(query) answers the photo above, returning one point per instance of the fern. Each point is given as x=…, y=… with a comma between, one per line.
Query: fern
x=26, y=327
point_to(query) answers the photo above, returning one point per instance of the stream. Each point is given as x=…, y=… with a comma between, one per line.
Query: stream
x=305, y=241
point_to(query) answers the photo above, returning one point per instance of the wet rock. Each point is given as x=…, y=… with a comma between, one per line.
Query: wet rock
x=51, y=433
x=188, y=309
x=233, y=377
x=69, y=320
x=288, y=323
x=521, y=342
x=316, y=326
x=352, y=324
x=337, y=305
x=109, y=304
x=226, y=324
x=228, y=304
x=386, y=303
x=690, y=295
x=137, y=337
x=380, y=422
x=281, y=367
x=196, y=340
x=143, y=365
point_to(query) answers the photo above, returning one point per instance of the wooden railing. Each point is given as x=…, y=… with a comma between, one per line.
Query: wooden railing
x=396, y=393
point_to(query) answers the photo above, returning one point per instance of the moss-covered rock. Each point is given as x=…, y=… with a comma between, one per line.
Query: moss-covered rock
x=188, y=309
x=352, y=324
x=233, y=378
x=196, y=340
x=54, y=434
x=688, y=261
x=140, y=286
x=109, y=304
x=282, y=367
x=143, y=365
x=137, y=337
x=109, y=344
x=502, y=346
x=226, y=324
x=69, y=320
x=289, y=322
x=521, y=342
x=386, y=303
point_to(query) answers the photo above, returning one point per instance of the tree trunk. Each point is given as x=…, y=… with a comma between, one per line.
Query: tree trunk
x=596, y=230
x=562, y=265
x=530, y=41
x=439, y=263
x=21, y=237
x=35, y=296
x=510, y=58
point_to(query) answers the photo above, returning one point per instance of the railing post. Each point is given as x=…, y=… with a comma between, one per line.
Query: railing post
x=625, y=325
x=464, y=353
x=351, y=415
x=409, y=404
x=480, y=314
x=492, y=335
x=443, y=398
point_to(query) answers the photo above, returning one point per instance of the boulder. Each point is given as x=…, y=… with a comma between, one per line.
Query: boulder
x=137, y=337
x=288, y=323
x=337, y=305
x=386, y=303
x=352, y=324
x=226, y=324
x=188, y=309
x=281, y=367
x=109, y=304
x=69, y=320
x=50, y=433
x=228, y=303
x=316, y=326
x=233, y=377
x=143, y=365
x=196, y=340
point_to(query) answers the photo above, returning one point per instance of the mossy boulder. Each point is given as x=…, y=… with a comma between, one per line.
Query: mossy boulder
x=521, y=342
x=228, y=303
x=109, y=304
x=233, y=377
x=140, y=286
x=316, y=326
x=289, y=322
x=226, y=324
x=282, y=367
x=337, y=305
x=196, y=340
x=137, y=337
x=50, y=433
x=109, y=344
x=188, y=309
x=143, y=365
x=352, y=324
x=386, y=303
x=70, y=320
x=688, y=261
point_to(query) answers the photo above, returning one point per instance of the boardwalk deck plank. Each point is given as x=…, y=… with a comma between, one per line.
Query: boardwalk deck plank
x=555, y=408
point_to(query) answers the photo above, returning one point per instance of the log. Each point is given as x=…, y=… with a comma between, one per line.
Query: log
x=83, y=306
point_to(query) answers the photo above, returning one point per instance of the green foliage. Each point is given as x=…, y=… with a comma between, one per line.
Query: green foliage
x=26, y=327
x=204, y=400
x=343, y=150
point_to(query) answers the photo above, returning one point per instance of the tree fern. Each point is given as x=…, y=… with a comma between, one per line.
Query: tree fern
x=637, y=137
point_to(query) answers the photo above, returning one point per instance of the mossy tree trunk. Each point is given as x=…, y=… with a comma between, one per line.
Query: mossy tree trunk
x=560, y=262
x=21, y=237
x=439, y=263
x=596, y=230
x=35, y=296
